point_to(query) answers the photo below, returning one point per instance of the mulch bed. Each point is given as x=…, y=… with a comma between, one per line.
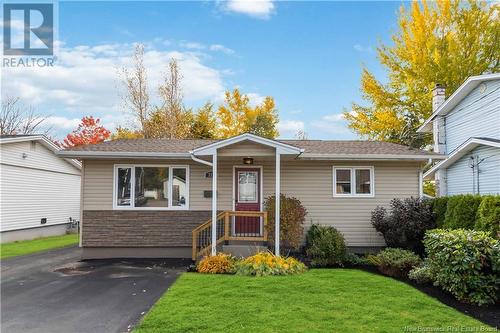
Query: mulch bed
x=487, y=314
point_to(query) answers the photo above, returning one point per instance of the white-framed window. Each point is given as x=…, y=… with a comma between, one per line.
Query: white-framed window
x=353, y=181
x=151, y=187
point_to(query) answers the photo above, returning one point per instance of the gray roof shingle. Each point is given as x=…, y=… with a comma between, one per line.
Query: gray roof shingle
x=327, y=147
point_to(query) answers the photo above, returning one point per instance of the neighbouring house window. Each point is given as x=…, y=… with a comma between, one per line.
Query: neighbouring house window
x=353, y=181
x=151, y=187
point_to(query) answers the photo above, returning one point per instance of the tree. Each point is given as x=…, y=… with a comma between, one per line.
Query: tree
x=136, y=82
x=203, y=125
x=89, y=131
x=441, y=42
x=126, y=133
x=175, y=117
x=18, y=119
x=237, y=116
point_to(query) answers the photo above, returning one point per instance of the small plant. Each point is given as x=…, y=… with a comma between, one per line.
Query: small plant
x=404, y=226
x=352, y=259
x=466, y=263
x=422, y=274
x=266, y=263
x=395, y=262
x=325, y=246
x=292, y=217
x=219, y=264
x=461, y=211
x=488, y=215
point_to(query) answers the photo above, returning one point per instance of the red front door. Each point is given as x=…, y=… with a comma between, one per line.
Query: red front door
x=247, y=198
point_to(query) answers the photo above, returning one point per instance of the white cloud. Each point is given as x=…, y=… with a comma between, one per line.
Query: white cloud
x=361, y=48
x=221, y=48
x=57, y=122
x=331, y=125
x=255, y=98
x=192, y=45
x=288, y=128
x=255, y=8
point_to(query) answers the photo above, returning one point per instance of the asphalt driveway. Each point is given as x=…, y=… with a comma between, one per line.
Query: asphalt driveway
x=53, y=292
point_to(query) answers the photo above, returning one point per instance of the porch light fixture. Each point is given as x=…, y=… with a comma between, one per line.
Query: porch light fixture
x=248, y=160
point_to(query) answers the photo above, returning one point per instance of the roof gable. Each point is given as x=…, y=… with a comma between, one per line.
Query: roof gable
x=458, y=95
x=281, y=147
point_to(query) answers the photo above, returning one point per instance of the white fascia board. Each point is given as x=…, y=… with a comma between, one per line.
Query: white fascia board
x=370, y=157
x=117, y=154
x=459, y=153
x=210, y=149
x=459, y=94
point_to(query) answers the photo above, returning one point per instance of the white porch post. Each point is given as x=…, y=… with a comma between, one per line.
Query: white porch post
x=278, y=197
x=420, y=183
x=214, y=202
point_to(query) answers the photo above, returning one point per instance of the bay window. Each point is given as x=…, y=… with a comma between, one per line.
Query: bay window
x=151, y=187
x=353, y=182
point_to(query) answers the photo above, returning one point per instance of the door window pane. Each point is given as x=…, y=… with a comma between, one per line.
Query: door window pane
x=363, y=181
x=343, y=181
x=151, y=187
x=124, y=187
x=179, y=187
x=247, y=186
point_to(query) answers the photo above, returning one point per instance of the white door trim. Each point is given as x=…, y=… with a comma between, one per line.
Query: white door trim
x=261, y=194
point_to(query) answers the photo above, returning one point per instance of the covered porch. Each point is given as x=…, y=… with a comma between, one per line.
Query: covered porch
x=244, y=171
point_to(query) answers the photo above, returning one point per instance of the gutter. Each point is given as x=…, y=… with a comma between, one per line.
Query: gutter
x=199, y=160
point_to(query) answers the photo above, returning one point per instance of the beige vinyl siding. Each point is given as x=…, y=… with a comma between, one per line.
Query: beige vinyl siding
x=309, y=181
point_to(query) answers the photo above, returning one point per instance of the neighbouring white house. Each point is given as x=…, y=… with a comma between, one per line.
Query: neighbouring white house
x=39, y=191
x=466, y=128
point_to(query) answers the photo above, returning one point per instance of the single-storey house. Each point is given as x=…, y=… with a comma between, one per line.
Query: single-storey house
x=466, y=127
x=155, y=197
x=39, y=191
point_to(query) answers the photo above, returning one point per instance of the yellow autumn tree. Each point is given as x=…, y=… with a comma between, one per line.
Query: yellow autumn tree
x=237, y=116
x=437, y=42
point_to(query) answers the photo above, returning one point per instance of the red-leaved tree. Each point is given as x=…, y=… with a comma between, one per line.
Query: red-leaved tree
x=89, y=131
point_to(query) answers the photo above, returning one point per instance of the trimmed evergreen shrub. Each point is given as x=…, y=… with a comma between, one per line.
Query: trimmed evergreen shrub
x=422, y=274
x=439, y=206
x=395, y=262
x=488, y=215
x=325, y=246
x=406, y=223
x=465, y=263
x=292, y=217
x=461, y=211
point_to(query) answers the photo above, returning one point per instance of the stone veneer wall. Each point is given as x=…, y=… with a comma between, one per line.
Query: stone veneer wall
x=121, y=228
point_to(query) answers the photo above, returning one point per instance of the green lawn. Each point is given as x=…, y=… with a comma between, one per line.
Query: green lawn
x=36, y=245
x=321, y=300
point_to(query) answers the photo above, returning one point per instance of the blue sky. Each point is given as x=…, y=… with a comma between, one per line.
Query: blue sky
x=307, y=55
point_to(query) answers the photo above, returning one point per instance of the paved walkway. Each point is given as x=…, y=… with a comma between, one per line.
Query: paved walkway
x=53, y=292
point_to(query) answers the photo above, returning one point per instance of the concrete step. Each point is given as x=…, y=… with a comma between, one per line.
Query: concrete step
x=243, y=251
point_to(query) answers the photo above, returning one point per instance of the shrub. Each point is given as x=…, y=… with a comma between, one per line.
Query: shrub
x=292, y=217
x=325, y=246
x=405, y=225
x=422, y=274
x=488, y=215
x=439, y=208
x=466, y=263
x=395, y=262
x=355, y=260
x=461, y=211
x=266, y=263
x=218, y=264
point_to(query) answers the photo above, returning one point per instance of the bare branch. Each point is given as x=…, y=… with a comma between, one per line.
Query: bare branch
x=18, y=119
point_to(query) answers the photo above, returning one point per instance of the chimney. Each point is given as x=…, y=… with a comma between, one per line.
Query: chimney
x=438, y=96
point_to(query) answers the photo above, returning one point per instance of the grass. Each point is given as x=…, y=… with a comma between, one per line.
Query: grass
x=20, y=248
x=321, y=300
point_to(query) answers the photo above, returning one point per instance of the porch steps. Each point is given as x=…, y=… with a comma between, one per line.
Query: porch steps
x=243, y=250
